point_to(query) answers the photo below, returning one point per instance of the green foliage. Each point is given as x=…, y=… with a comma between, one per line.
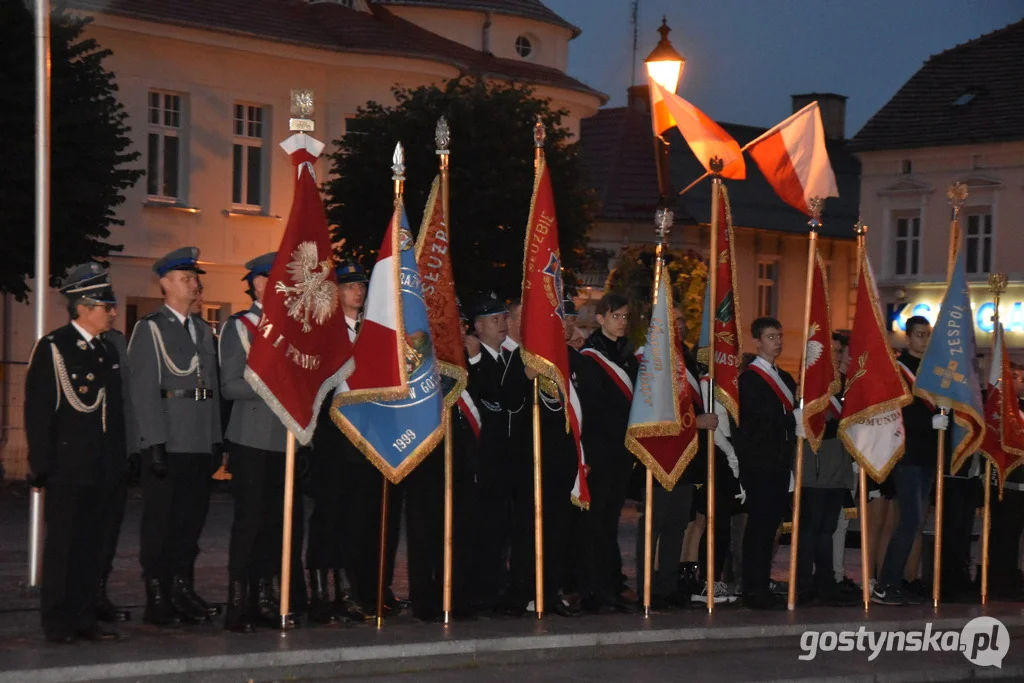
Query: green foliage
x=633, y=277
x=491, y=178
x=90, y=148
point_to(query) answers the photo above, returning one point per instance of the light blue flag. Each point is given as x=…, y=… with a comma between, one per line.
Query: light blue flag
x=948, y=375
x=396, y=435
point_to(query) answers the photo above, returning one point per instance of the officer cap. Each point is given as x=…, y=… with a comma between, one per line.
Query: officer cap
x=89, y=283
x=485, y=304
x=259, y=266
x=185, y=258
x=350, y=272
x=569, y=307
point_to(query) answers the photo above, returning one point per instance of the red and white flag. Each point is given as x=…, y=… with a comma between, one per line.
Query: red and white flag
x=542, y=329
x=705, y=137
x=871, y=425
x=300, y=349
x=793, y=158
x=1003, y=443
x=821, y=379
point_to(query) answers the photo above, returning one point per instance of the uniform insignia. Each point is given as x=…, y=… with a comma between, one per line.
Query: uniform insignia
x=90, y=377
x=493, y=407
x=82, y=344
x=74, y=376
x=83, y=390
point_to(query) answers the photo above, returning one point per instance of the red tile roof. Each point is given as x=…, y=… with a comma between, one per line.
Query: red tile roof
x=971, y=93
x=331, y=26
x=531, y=9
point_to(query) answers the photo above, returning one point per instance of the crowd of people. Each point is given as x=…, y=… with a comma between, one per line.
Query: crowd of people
x=177, y=396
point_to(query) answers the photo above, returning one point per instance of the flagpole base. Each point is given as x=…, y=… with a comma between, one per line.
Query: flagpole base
x=288, y=622
x=647, y=611
x=447, y=618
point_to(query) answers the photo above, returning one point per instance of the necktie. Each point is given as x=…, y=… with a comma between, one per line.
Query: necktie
x=188, y=327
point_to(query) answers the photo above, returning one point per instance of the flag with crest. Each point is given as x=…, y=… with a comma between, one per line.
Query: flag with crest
x=391, y=406
x=821, y=378
x=1004, y=437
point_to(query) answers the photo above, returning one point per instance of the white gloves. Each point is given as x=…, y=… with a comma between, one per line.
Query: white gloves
x=940, y=422
x=798, y=415
x=742, y=495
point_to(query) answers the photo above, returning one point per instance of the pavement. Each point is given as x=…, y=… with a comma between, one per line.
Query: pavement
x=732, y=644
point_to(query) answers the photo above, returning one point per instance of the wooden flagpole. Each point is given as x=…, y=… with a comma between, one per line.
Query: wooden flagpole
x=996, y=283
x=816, y=204
x=710, y=518
x=286, y=537
x=862, y=484
x=539, y=136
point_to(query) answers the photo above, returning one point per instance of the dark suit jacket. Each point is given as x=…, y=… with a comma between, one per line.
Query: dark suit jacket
x=766, y=436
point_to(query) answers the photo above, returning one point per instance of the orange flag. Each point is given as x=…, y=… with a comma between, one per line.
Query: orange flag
x=435, y=266
x=1004, y=439
x=542, y=330
x=821, y=379
x=705, y=137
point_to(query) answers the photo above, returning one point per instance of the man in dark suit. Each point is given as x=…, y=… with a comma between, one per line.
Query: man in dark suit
x=174, y=390
x=769, y=425
x=74, y=421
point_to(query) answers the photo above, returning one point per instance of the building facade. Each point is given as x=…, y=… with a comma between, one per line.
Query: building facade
x=206, y=86
x=959, y=119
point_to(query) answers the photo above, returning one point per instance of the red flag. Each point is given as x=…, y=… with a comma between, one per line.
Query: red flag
x=706, y=138
x=1003, y=443
x=301, y=350
x=542, y=329
x=821, y=380
x=726, y=311
x=871, y=426
x=435, y=265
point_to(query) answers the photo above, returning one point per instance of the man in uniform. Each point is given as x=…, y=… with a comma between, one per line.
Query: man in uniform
x=329, y=534
x=173, y=388
x=74, y=422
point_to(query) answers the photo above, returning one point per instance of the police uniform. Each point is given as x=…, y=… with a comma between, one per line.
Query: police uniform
x=330, y=536
x=174, y=390
x=74, y=422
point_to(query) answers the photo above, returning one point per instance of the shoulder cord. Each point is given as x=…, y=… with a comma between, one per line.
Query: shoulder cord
x=69, y=391
x=162, y=351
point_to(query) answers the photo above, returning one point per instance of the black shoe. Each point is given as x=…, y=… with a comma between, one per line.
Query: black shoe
x=807, y=598
x=561, y=607
x=345, y=607
x=97, y=633
x=236, y=616
x=321, y=610
x=267, y=609
x=764, y=601
x=184, y=602
x=106, y=610
x=891, y=595
x=211, y=610
x=159, y=611
x=835, y=596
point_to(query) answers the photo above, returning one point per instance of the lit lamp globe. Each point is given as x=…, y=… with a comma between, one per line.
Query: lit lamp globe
x=664, y=64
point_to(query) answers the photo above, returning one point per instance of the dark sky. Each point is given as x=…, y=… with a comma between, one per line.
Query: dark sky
x=746, y=57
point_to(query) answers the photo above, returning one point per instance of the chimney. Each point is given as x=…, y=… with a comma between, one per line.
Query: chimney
x=833, y=111
x=638, y=97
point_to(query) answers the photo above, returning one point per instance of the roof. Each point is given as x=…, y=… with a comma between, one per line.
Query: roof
x=530, y=9
x=968, y=94
x=618, y=159
x=331, y=26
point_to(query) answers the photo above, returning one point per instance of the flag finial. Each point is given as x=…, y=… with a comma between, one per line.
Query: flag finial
x=957, y=196
x=539, y=133
x=860, y=227
x=997, y=283
x=663, y=224
x=815, y=204
x=302, y=111
x=398, y=163
x=442, y=136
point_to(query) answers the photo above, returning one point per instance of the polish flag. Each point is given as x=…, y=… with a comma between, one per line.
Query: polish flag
x=794, y=161
x=705, y=137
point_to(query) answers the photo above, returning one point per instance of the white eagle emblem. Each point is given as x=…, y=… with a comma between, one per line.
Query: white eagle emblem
x=313, y=294
x=814, y=347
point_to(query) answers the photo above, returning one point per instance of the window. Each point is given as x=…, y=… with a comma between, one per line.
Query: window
x=247, y=157
x=908, y=244
x=979, y=241
x=767, y=287
x=163, y=164
x=524, y=47
x=212, y=315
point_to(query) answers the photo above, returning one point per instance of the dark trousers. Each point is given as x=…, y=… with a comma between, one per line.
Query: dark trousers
x=913, y=484
x=819, y=514
x=1004, y=545
x=174, y=514
x=495, y=488
x=112, y=525
x=362, y=485
x=257, y=482
x=424, y=519
x=73, y=555
x=670, y=515
x=960, y=500
x=601, y=564
x=326, y=523
x=767, y=502
x=725, y=503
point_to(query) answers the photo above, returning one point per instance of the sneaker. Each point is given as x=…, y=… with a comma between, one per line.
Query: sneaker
x=722, y=595
x=890, y=595
x=778, y=587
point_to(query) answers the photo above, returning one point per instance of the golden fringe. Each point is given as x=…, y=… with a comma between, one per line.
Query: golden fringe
x=667, y=480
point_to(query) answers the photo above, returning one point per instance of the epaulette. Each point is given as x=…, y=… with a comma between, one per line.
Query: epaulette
x=155, y=315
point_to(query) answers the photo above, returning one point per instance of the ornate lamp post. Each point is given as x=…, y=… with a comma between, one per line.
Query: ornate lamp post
x=664, y=67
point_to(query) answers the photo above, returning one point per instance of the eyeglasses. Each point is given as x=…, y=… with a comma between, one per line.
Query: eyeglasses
x=106, y=307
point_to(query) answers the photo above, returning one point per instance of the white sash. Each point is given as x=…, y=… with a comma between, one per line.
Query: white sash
x=775, y=377
x=618, y=374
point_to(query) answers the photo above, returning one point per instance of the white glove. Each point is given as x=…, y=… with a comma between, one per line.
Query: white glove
x=723, y=419
x=940, y=422
x=798, y=415
x=742, y=495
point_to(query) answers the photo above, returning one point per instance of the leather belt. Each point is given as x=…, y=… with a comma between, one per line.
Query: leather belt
x=194, y=394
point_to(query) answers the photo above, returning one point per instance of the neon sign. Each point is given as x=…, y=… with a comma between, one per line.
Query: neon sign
x=1011, y=315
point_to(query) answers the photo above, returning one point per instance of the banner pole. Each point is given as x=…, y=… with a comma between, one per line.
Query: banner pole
x=711, y=521
x=794, y=536
x=383, y=557
x=538, y=504
x=940, y=467
x=862, y=485
x=996, y=283
x=648, y=537
x=286, y=536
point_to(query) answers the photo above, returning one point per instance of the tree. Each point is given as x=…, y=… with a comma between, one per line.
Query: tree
x=491, y=178
x=89, y=143
x=633, y=277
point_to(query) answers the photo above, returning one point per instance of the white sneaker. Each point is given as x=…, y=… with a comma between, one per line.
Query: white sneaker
x=722, y=594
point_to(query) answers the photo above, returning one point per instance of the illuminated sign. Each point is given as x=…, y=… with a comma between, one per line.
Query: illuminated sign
x=1011, y=314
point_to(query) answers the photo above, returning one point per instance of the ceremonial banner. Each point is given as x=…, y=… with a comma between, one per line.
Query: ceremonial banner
x=542, y=328
x=391, y=406
x=300, y=349
x=821, y=379
x=1003, y=443
x=727, y=351
x=947, y=375
x=662, y=429
x=871, y=426
x=434, y=262
x=705, y=137
x=793, y=158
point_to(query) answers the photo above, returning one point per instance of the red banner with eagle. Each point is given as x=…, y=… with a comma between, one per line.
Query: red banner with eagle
x=821, y=379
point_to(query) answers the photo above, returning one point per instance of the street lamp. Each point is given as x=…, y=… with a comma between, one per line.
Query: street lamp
x=664, y=67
